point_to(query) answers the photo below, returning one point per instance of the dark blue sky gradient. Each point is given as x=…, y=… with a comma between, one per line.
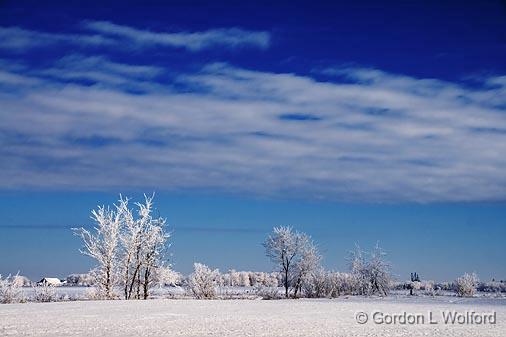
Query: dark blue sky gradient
x=433, y=39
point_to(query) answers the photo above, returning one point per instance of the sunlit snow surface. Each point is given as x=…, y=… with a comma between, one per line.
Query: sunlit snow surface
x=188, y=317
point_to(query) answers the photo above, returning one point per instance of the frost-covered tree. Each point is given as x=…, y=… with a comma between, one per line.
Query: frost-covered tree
x=128, y=248
x=288, y=250
x=466, y=284
x=102, y=245
x=143, y=243
x=371, y=272
x=310, y=261
x=379, y=272
x=244, y=280
x=359, y=271
x=10, y=289
x=152, y=252
x=202, y=282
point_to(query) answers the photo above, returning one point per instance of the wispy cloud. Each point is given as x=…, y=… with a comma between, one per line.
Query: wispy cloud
x=100, y=70
x=193, y=41
x=16, y=39
x=376, y=136
x=107, y=34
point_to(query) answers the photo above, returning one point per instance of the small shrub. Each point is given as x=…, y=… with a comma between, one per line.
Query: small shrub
x=44, y=293
x=315, y=285
x=202, y=282
x=428, y=288
x=341, y=284
x=267, y=293
x=466, y=285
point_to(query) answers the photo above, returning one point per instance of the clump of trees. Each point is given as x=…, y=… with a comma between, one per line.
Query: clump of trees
x=466, y=284
x=295, y=256
x=204, y=282
x=299, y=264
x=328, y=284
x=128, y=247
x=371, y=272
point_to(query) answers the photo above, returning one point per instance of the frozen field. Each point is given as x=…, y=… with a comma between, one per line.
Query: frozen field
x=302, y=317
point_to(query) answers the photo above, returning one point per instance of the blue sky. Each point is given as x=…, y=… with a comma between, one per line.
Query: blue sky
x=354, y=123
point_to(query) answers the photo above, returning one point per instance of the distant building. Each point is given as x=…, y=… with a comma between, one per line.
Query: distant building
x=49, y=281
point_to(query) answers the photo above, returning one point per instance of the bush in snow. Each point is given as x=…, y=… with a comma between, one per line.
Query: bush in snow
x=329, y=284
x=428, y=288
x=44, y=293
x=165, y=276
x=316, y=284
x=267, y=293
x=10, y=289
x=341, y=284
x=203, y=281
x=466, y=284
x=414, y=285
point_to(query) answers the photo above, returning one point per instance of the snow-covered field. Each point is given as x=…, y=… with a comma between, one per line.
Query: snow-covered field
x=302, y=317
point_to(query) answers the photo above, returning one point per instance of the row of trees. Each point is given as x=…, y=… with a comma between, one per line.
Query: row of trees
x=128, y=247
x=299, y=263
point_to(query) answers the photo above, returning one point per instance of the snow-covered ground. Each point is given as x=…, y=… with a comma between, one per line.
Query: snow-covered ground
x=304, y=317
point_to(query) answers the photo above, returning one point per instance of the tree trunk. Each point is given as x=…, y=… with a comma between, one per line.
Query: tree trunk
x=127, y=272
x=108, y=282
x=138, y=286
x=146, y=282
x=132, y=283
x=286, y=283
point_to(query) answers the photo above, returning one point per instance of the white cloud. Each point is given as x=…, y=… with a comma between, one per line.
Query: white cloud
x=16, y=39
x=193, y=41
x=378, y=137
x=101, y=70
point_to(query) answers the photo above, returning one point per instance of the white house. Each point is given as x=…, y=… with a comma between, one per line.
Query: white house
x=49, y=281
